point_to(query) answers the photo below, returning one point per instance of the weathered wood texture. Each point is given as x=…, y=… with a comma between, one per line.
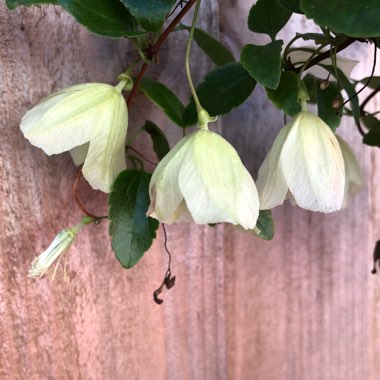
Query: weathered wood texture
x=303, y=306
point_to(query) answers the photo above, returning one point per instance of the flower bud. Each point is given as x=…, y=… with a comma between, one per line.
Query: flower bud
x=91, y=120
x=306, y=160
x=203, y=179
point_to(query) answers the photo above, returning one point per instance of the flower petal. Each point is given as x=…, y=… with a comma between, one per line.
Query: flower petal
x=271, y=184
x=215, y=184
x=66, y=119
x=353, y=173
x=106, y=154
x=79, y=153
x=166, y=198
x=312, y=164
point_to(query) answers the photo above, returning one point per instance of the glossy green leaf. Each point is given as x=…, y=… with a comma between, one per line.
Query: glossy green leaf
x=107, y=17
x=311, y=85
x=285, y=96
x=354, y=18
x=326, y=111
x=160, y=142
x=150, y=14
x=132, y=232
x=12, y=4
x=264, y=225
x=370, y=121
x=215, y=50
x=291, y=5
x=348, y=88
x=267, y=16
x=374, y=82
x=221, y=90
x=263, y=63
x=165, y=98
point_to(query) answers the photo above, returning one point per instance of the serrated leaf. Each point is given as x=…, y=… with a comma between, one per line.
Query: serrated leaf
x=107, y=17
x=12, y=4
x=291, y=5
x=348, y=88
x=374, y=82
x=325, y=99
x=160, y=142
x=263, y=63
x=131, y=230
x=221, y=90
x=264, y=226
x=150, y=14
x=165, y=98
x=268, y=17
x=285, y=96
x=353, y=18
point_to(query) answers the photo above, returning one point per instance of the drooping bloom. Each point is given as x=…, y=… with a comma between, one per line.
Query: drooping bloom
x=91, y=121
x=299, y=57
x=58, y=247
x=353, y=173
x=306, y=160
x=203, y=179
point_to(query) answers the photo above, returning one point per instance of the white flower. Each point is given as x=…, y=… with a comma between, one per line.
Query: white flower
x=203, y=179
x=91, y=121
x=299, y=57
x=354, y=175
x=306, y=160
x=59, y=246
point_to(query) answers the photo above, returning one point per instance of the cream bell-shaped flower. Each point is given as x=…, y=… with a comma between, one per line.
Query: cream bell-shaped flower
x=89, y=120
x=353, y=174
x=299, y=57
x=203, y=179
x=306, y=160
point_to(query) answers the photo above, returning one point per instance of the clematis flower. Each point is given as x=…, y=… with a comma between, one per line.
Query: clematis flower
x=353, y=173
x=203, y=179
x=91, y=121
x=299, y=57
x=306, y=160
x=58, y=247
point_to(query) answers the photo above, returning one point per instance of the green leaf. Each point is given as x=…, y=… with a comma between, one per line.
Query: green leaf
x=291, y=5
x=160, y=143
x=268, y=17
x=353, y=18
x=132, y=232
x=215, y=50
x=348, y=88
x=325, y=99
x=150, y=14
x=311, y=85
x=12, y=4
x=373, y=83
x=285, y=96
x=107, y=17
x=263, y=63
x=372, y=138
x=165, y=98
x=264, y=225
x=370, y=121
x=221, y=90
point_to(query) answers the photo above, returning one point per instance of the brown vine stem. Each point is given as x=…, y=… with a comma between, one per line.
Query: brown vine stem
x=326, y=54
x=152, y=53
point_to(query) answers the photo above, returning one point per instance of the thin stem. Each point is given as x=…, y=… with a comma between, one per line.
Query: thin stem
x=78, y=201
x=141, y=155
x=326, y=54
x=187, y=58
x=306, y=65
x=366, y=84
